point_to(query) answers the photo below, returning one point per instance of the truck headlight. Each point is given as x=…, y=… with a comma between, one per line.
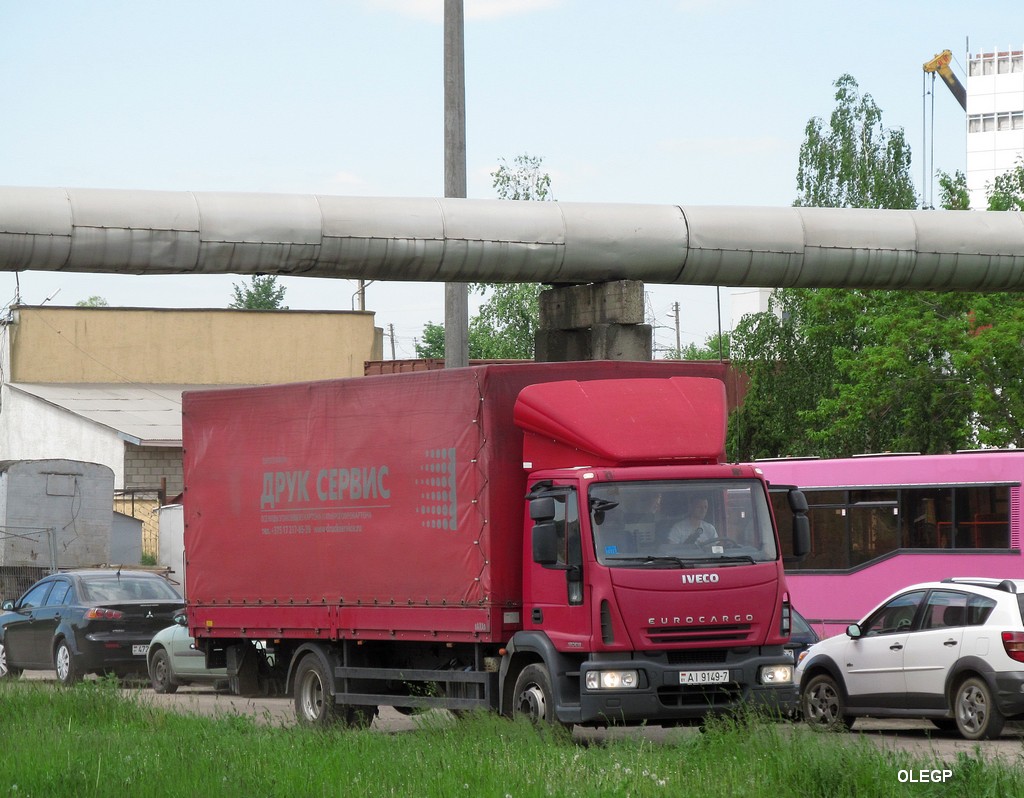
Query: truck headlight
x=775, y=674
x=612, y=680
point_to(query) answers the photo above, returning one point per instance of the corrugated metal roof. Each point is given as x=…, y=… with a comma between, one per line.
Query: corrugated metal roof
x=146, y=415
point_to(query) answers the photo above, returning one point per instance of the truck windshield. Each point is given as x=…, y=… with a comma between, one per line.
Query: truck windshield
x=672, y=524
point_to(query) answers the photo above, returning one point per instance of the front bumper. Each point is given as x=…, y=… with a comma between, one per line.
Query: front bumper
x=660, y=698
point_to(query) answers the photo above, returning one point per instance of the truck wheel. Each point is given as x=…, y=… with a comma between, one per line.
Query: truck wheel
x=160, y=673
x=821, y=703
x=64, y=664
x=534, y=698
x=977, y=716
x=314, y=693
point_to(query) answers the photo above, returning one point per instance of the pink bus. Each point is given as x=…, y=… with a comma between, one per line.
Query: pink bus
x=881, y=522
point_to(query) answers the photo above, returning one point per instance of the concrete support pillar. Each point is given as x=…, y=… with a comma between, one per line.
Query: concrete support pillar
x=597, y=321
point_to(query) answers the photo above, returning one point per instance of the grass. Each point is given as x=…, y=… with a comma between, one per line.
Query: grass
x=91, y=741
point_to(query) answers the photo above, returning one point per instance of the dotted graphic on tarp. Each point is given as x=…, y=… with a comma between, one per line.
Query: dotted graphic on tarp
x=437, y=490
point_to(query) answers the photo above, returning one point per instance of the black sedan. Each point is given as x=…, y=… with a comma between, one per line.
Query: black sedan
x=802, y=637
x=86, y=621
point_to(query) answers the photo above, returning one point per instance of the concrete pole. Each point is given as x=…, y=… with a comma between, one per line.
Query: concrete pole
x=456, y=295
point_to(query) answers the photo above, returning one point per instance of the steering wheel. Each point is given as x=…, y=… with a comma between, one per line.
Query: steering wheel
x=727, y=543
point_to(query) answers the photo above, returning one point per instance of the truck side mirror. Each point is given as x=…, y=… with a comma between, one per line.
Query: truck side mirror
x=542, y=508
x=545, y=543
x=797, y=501
x=801, y=526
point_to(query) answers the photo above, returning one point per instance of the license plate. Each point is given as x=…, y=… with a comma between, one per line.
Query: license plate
x=140, y=651
x=703, y=677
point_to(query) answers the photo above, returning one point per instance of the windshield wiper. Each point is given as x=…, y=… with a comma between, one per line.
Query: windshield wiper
x=659, y=558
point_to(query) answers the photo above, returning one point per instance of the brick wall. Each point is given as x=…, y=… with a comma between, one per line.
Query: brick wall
x=146, y=466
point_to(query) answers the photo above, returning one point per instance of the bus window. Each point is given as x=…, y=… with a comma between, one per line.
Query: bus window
x=874, y=524
x=983, y=518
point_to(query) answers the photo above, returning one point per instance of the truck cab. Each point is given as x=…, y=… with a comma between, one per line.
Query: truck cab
x=671, y=584
x=653, y=584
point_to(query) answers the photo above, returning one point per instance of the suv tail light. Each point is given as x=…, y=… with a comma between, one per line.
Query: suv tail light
x=1013, y=643
x=103, y=614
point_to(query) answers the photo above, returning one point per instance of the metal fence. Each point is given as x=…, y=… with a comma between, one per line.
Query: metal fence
x=26, y=555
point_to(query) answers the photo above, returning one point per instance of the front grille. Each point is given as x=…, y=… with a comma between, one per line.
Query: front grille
x=700, y=696
x=713, y=656
x=721, y=633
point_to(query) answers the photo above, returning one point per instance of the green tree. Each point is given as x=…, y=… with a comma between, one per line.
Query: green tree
x=523, y=180
x=262, y=293
x=856, y=162
x=835, y=372
x=953, y=192
x=838, y=371
x=431, y=341
x=505, y=326
x=1006, y=192
x=715, y=347
x=92, y=302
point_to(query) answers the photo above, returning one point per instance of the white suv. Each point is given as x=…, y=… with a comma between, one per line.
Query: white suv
x=949, y=651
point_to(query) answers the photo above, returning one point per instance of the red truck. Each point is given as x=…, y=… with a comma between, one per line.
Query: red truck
x=520, y=537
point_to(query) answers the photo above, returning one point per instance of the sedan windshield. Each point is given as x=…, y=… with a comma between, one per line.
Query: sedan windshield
x=674, y=524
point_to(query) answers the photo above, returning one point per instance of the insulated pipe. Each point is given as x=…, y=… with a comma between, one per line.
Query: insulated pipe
x=452, y=240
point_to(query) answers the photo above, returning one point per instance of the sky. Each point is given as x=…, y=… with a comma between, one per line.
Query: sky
x=682, y=102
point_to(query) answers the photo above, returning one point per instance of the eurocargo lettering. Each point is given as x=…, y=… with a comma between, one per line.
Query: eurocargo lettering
x=559, y=540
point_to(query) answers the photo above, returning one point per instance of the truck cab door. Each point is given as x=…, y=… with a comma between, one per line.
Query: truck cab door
x=555, y=594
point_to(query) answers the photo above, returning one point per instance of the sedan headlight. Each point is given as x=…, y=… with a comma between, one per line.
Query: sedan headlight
x=775, y=674
x=613, y=680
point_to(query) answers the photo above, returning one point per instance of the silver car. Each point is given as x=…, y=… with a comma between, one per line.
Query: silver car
x=173, y=660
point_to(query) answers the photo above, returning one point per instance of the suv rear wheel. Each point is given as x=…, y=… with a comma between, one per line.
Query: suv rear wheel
x=977, y=716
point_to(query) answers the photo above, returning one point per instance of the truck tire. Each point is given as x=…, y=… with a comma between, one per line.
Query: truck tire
x=314, y=693
x=64, y=664
x=977, y=716
x=314, y=698
x=533, y=697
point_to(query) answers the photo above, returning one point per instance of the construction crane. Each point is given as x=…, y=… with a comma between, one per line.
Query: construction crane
x=940, y=64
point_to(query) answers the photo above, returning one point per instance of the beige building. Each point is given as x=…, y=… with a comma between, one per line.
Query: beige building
x=104, y=385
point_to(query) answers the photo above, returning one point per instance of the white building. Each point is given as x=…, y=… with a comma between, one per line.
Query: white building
x=995, y=118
